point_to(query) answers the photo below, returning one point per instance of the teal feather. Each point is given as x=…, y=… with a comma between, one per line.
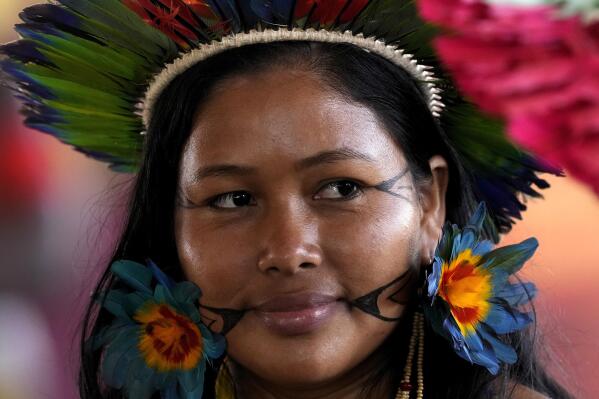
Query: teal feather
x=191, y=310
x=191, y=379
x=134, y=301
x=114, y=302
x=197, y=393
x=139, y=389
x=139, y=371
x=107, y=334
x=186, y=291
x=163, y=294
x=124, y=366
x=133, y=274
x=215, y=345
x=119, y=354
x=160, y=380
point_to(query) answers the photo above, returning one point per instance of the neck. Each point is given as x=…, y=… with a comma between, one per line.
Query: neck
x=364, y=380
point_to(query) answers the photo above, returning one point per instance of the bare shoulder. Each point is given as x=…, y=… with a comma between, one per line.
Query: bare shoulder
x=524, y=392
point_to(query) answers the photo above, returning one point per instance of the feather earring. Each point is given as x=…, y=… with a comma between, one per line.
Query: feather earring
x=471, y=300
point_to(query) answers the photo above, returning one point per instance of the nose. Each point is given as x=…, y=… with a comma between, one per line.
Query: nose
x=289, y=240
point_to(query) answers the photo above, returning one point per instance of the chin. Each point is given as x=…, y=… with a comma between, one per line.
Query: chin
x=325, y=354
x=297, y=370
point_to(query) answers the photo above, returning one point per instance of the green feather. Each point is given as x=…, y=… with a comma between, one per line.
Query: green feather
x=510, y=258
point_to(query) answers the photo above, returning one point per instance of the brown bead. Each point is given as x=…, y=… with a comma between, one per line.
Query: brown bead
x=405, y=386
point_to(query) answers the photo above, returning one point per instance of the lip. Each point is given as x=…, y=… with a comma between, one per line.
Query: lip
x=296, y=314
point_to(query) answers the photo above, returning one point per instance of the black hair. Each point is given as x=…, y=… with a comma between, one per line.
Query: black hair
x=366, y=78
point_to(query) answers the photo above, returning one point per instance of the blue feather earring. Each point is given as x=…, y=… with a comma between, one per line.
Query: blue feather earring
x=471, y=300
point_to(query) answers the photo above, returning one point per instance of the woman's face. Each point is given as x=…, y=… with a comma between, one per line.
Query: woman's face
x=279, y=216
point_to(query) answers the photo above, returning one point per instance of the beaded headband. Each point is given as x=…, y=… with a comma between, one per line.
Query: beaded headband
x=420, y=73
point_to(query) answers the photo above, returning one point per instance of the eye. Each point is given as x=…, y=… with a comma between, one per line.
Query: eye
x=339, y=190
x=232, y=200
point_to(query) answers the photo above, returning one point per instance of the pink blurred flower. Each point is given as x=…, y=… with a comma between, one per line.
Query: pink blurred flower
x=537, y=70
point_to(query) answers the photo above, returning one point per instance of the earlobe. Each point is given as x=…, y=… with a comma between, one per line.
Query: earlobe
x=433, y=206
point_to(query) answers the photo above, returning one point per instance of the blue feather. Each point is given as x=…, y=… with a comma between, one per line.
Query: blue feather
x=434, y=278
x=38, y=32
x=40, y=115
x=517, y=294
x=486, y=358
x=456, y=335
x=27, y=81
x=478, y=217
x=50, y=13
x=501, y=199
x=229, y=12
x=159, y=275
x=504, y=321
x=24, y=51
x=504, y=352
x=52, y=131
x=474, y=342
x=482, y=247
x=274, y=11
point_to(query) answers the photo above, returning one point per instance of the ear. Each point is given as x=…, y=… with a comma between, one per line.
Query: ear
x=432, y=202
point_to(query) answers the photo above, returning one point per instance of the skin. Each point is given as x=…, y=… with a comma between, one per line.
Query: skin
x=300, y=229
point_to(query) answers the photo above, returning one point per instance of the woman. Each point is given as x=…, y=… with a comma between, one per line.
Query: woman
x=303, y=186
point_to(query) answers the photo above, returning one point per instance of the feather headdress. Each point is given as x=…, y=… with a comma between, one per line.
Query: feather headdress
x=88, y=72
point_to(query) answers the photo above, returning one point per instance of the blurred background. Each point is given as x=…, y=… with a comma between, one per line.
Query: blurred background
x=60, y=213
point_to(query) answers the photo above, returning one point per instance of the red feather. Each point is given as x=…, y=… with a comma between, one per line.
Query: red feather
x=134, y=6
x=202, y=9
x=166, y=16
x=328, y=11
x=303, y=7
x=355, y=7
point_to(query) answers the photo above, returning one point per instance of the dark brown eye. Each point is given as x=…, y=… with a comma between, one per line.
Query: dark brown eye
x=233, y=199
x=340, y=189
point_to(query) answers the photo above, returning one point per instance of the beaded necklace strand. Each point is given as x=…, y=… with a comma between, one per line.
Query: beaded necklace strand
x=416, y=342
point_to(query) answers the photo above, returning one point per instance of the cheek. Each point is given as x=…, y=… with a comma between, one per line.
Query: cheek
x=217, y=263
x=373, y=248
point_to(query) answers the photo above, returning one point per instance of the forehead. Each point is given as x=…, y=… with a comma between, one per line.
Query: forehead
x=283, y=114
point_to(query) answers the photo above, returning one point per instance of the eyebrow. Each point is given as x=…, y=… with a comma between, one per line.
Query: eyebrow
x=323, y=157
x=222, y=170
x=332, y=156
